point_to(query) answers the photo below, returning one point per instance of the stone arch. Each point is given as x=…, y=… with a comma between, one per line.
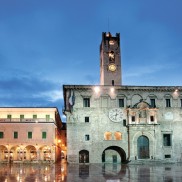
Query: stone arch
x=16, y=153
x=143, y=147
x=83, y=156
x=151, y=143
x=135, y=99
x=44, y=153
x=113, y=154
x=3, y=153
x=30, y=153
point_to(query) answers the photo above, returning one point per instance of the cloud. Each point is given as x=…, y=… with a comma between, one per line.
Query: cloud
x=140, y=71
x=52, y=95
x=23, y=89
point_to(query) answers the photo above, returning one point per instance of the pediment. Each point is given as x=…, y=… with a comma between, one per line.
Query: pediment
x=141, y=105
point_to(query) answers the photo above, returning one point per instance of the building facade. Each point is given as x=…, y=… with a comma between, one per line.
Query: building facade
x=117, y=123
x=30, y=135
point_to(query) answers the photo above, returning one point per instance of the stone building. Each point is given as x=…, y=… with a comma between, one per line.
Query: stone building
x=118, y=123
x=30, y=134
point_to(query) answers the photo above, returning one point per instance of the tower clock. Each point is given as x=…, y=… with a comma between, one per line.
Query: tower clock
x=110, y=59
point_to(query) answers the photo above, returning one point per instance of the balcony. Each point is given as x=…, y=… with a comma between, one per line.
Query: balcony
x=26, y=120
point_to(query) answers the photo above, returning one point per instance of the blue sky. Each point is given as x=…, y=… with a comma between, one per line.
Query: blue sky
x=45, y=44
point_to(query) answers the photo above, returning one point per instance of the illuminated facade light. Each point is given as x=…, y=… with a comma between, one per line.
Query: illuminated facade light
x=97, y=89
x=112, y=89
x=59, y=141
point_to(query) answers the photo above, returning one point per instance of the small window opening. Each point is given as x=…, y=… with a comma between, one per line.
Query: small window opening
x=112, y=82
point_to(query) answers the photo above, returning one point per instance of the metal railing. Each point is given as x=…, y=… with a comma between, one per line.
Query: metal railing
x=31, y=120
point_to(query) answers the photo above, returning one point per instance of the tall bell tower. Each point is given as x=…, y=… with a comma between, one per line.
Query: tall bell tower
x=110, y=60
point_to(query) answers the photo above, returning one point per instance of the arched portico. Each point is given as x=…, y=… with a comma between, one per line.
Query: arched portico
x=3, y=153
x=30, y=153
x=113, y=154
x=45, y=153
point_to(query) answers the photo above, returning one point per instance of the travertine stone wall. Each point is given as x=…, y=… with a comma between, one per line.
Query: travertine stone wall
x=168, y=121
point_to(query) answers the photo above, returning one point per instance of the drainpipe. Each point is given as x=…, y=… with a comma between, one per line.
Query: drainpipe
x=128, y=131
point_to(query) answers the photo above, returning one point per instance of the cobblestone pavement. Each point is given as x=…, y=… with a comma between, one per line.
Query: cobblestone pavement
x=151, y=172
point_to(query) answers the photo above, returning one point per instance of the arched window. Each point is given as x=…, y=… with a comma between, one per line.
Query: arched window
x=143, y=147
x=118, y=135
x=107, y=136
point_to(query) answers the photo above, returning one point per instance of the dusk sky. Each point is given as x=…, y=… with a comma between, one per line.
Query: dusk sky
x=45, y=44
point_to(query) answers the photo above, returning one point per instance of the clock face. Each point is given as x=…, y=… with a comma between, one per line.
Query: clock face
x=116, y=115
x=112, y=67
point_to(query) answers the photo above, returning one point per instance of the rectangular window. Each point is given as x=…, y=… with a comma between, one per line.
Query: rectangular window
x=44, y=135
x=180, y=102
x=1, y=134
x=112, y=82
x=86, y=119
x=21, y=117
x=9, y=116
x=168, y=103
x=167, y=156
x=152, y=103
x=34, y=116
x=121, y=102
x=29, y=135
x=15, y=134
x=47, y=117
x=87, y=138
x=167, y=139
x=133, y=118
x=152, y=118
x=86, y=102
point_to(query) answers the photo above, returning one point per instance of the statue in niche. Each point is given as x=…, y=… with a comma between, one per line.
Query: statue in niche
x=142, y=114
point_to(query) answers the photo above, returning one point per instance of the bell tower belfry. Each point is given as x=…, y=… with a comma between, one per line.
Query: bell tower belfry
x=110, y=60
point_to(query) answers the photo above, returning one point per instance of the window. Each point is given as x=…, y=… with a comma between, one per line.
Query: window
x=47, y=117
x=21, y=117
x=108, y=136
x=118, y=136
x=180, y=102
x=29, y=135
x=133, y=118
x=167, y=139
x=121, y=102
x=86, y=102
x=168, y=103
x=1, y=134
x=152, y=103
x=9, y=116
x=167, y=156
x=15, y=134
x=112, y=82
x=87, y=137
x=44, y=135
x=86, y=119
x=152, y=118
x=34, y=116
